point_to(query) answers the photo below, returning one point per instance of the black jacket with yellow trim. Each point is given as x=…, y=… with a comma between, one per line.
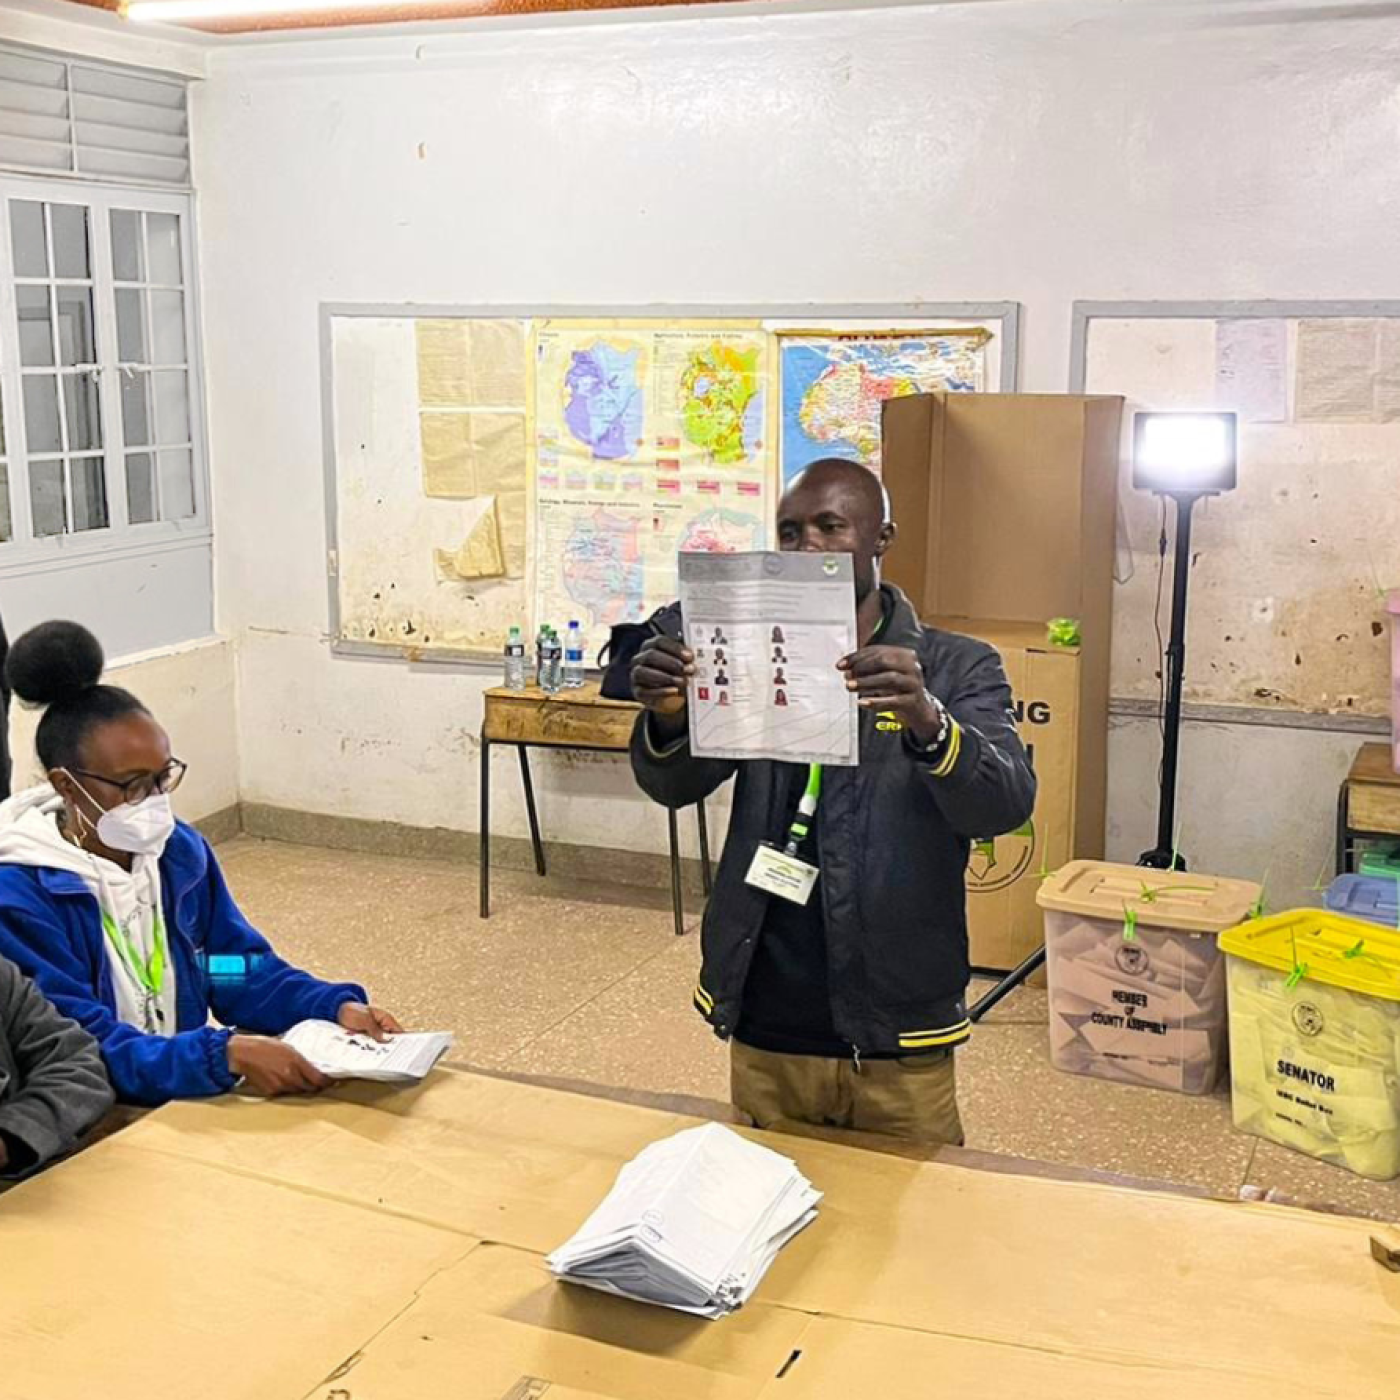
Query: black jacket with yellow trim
x=893, y=838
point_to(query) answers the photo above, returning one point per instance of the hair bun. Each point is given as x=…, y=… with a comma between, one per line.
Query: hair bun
x=54, y=662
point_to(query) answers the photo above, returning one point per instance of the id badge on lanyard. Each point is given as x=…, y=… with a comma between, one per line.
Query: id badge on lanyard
x=781, y=871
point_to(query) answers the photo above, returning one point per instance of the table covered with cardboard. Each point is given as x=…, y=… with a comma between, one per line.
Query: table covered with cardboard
x=385, y=1244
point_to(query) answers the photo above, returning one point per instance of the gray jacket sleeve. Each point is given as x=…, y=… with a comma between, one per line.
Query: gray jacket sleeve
x=985, y=785
x=53, y=1086
x=671, y=775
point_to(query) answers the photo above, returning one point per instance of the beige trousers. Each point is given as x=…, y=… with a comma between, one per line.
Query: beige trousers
x=914, y=1097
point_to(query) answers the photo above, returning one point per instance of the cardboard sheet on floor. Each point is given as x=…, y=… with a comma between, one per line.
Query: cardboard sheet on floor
x=329, y=1230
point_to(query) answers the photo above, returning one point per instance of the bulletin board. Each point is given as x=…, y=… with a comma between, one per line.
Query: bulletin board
x=1290, y=571
x=489, y=467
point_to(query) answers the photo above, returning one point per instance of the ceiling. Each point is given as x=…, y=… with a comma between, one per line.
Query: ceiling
x=401, y=11
x=356, y=12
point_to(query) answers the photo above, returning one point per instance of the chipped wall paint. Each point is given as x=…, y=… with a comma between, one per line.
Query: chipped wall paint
x=1287, y=605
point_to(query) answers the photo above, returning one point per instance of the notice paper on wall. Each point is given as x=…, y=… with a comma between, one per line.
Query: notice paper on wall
x=341, y=1054
x=1348, y=371
x=767, y=630
x=1251, y=369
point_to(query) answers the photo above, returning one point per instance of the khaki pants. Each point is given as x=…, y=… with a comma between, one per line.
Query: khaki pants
x=914, y=1097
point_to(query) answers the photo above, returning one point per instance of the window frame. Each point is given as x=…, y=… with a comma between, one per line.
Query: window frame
x=24, y=552
x=75, y=95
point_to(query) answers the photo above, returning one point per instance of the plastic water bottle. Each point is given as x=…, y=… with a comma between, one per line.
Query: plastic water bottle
x=552, y=665
x=540, y=641
x=573, y=657
x=515, y=660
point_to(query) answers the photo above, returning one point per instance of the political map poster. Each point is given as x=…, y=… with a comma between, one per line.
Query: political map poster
x=833, y=385
x=651, y=438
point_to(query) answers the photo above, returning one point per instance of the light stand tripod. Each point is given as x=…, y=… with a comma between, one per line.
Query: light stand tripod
x=1164, y=855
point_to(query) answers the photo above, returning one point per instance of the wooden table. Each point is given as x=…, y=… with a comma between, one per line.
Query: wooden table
x=571, y=719
x=1368, y=805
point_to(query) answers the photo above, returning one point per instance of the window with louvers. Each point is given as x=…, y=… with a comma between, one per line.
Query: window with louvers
x=69, y=117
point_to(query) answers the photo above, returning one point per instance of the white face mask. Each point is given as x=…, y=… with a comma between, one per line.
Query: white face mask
x=139, y=828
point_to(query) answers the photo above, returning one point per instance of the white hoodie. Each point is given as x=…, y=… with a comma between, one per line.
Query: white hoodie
x=30, y=835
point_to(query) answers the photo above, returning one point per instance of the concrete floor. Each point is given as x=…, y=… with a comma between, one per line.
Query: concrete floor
x=590, y=982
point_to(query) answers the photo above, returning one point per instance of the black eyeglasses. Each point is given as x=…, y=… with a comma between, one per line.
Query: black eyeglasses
x=143, y=785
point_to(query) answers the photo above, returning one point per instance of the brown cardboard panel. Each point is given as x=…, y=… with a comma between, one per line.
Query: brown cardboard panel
x=1006, y=509
x=1011, y=509
x=915, y=486
x=285, y=1240
x=1109, y=1275
x=849, y=1361
x=453, y=1150
x=1002, y=634
x=480, y=1328
x=926, y=1246
x=1004, y=502
x=1005, y=873
x=131, y=1275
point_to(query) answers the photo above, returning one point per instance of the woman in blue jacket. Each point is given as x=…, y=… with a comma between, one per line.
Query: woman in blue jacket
x=120, y=913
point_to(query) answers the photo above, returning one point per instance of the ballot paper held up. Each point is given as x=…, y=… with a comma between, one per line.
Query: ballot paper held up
x=767, y=630
x=693, y=1222
x=341, y=1054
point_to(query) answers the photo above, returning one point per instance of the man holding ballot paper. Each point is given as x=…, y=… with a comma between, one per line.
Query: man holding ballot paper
x=835, y=944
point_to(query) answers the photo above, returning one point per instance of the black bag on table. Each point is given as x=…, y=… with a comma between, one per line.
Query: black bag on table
x=626, y=640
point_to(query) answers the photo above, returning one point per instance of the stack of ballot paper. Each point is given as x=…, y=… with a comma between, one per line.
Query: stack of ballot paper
x=341, y=1054
x=692, y=1222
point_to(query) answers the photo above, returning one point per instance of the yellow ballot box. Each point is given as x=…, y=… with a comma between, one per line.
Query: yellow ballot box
x=1315, y=1036
x=1137, y=983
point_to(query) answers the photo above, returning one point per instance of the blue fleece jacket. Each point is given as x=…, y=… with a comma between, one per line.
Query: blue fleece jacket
x=51, y=928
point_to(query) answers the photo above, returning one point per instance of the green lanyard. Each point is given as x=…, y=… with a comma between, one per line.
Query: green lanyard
x=150, y=971
x=806, y=809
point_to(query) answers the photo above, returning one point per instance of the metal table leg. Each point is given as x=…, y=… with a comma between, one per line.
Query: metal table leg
x=704, y=826
x=535, y=840
x=677, y=903
x=485, y=858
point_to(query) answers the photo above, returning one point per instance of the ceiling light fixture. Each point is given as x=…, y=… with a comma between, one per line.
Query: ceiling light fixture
x=187, y=11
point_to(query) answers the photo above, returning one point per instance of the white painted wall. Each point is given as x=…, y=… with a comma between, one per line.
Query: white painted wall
x=191, y=691
x=1030, y=149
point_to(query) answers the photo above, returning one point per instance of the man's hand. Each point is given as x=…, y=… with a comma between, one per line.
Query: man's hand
x=271, y=1067
x=368, y=1020
x=891, y=678
x=660, y=671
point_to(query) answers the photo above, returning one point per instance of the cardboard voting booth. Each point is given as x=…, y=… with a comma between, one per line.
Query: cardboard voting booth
x=1315, y=1037
x=1137, y=983
x=1006, y=512
x=1005, y=871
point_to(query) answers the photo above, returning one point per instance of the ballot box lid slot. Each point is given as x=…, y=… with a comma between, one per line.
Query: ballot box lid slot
x=1176, y=900
x=1317, y=945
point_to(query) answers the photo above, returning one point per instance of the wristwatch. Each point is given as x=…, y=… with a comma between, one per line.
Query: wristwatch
x=934, y=749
